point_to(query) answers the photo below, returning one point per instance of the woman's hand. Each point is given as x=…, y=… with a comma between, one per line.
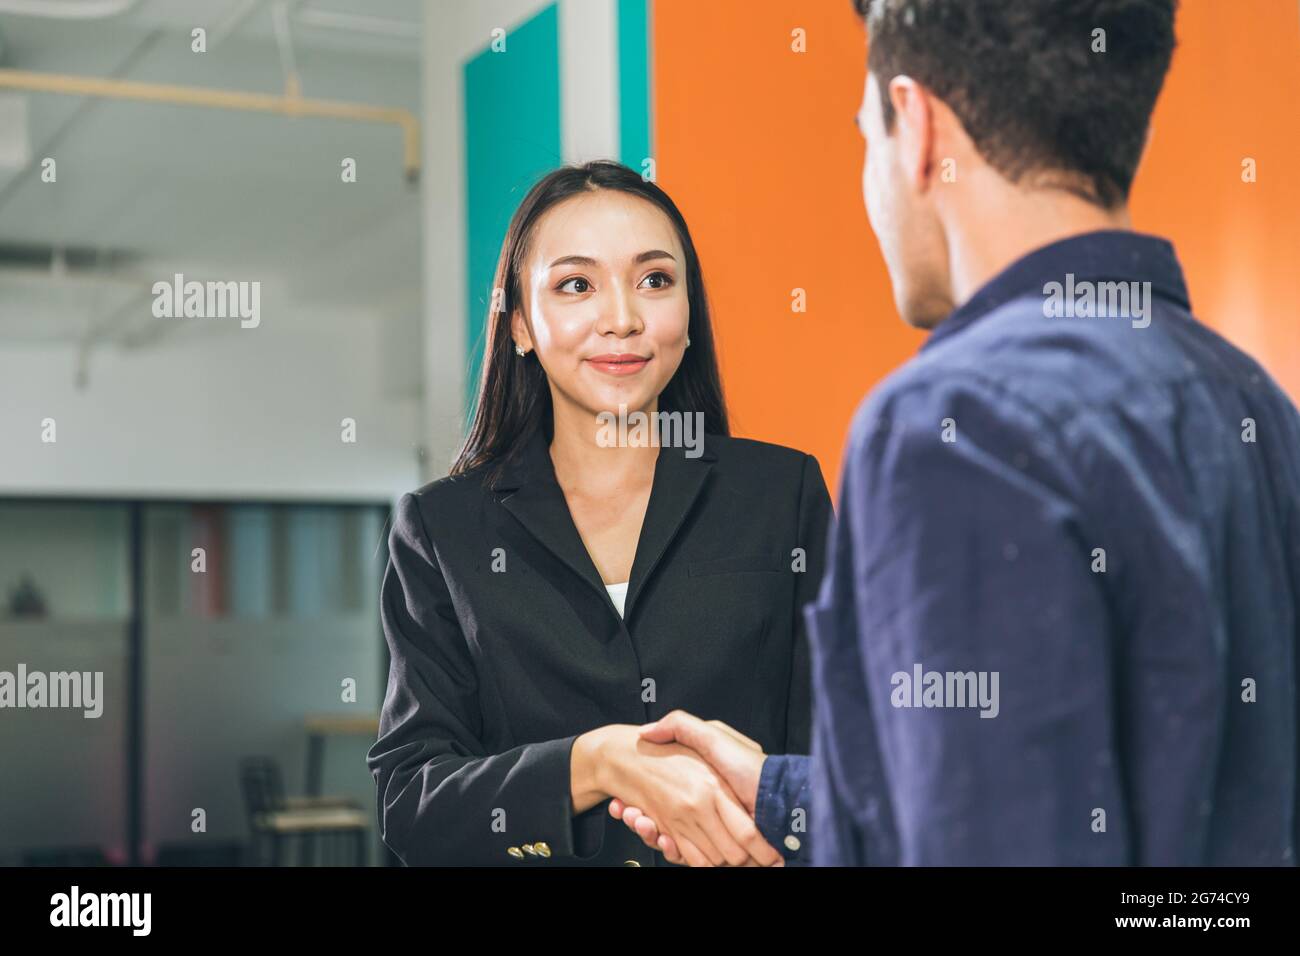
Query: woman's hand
x=729, y=752
x=681, y=793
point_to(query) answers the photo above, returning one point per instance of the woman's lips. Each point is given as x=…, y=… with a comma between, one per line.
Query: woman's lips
x=618, y=363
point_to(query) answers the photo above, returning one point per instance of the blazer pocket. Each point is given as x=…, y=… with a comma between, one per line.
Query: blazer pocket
x=735, y=563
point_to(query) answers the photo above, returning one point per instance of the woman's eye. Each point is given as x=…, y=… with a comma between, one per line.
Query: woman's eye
x=658, y=280
x=577, y=284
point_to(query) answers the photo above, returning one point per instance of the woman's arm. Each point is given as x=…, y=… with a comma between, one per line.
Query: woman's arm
x=443, y=799
x=584, y=771
x=815, y=515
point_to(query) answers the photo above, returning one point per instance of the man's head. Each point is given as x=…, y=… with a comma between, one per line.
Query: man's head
x=966, y=99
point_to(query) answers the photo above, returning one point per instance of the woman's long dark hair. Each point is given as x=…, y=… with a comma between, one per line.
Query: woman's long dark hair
x=514, y=400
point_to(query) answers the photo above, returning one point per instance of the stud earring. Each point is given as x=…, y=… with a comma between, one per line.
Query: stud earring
x=688, y=341
x=519, y=350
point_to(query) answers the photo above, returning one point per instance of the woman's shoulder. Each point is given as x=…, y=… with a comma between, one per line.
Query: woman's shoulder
x=437, y=500
x=775, y=477
x=753, y=453
x=456, y=489
x=764, y=464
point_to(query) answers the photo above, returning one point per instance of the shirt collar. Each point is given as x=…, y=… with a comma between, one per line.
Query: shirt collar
x=1112, y=254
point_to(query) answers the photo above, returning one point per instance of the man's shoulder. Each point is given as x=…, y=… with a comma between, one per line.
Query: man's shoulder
x=984, y=370
x=1031, y=379
x=1025, y=364
x=1012, y=370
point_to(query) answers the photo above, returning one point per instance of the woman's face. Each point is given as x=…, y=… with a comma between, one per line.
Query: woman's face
x=605, y=306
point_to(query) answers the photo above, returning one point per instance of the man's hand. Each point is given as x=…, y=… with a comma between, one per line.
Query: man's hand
x=733, y=756
x=677, y=788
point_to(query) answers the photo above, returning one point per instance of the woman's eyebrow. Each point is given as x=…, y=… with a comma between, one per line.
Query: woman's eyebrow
x=654, y=254
x=574, y=261
x=588, y=261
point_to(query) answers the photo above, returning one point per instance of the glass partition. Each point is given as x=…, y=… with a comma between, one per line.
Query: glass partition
x=64, y=610
x=256, y=630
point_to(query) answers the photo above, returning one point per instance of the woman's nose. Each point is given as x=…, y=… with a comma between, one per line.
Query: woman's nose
x=619, y=315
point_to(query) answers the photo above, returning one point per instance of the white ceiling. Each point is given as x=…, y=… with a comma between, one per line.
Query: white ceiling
x=145, y=190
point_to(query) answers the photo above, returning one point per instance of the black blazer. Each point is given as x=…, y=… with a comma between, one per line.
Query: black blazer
x=506, y=646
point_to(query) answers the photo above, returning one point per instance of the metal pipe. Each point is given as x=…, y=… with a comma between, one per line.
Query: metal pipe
x=360, y=23
x=225, y=99
x=83, y=10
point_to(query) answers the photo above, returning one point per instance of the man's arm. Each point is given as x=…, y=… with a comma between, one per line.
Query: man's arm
x=985, y=638
x=780, y=807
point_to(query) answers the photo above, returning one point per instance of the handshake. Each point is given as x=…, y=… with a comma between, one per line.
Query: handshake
x=687, y=787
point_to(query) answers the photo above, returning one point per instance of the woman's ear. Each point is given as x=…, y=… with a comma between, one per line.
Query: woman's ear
x=519, y=331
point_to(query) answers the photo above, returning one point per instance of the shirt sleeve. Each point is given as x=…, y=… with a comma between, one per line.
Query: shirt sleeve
x=981, y=729
x=443, y=798
x=780, y=807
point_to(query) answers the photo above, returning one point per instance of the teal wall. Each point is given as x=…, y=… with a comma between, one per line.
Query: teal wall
x=513, y=136
x=635, y=122
x=512, y=139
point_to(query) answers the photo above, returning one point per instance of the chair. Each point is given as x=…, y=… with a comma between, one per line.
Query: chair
x=339, y=822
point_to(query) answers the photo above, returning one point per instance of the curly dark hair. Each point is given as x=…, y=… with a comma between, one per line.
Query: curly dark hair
x=1031, y=81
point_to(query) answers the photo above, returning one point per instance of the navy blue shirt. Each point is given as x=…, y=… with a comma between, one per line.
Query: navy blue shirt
x=1059, y=621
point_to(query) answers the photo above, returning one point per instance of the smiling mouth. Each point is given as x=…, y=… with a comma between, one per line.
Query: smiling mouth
x=623, y=363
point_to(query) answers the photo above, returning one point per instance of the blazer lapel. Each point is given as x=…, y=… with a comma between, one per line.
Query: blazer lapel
x=677, y=484
x=535, y=499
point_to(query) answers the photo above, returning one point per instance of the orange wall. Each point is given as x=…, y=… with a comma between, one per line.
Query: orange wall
x=758, y=147
x=1233, y=91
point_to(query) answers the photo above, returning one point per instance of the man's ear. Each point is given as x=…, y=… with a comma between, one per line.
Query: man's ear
x=519, y=331
x=1146, y=143
x=914, y=130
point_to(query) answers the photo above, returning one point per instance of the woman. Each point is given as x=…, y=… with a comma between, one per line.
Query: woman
x=565, y=584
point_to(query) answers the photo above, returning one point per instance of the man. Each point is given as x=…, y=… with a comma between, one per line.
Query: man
x=1060, y=620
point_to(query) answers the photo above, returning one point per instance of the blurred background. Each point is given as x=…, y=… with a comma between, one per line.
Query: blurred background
x=198, y=510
